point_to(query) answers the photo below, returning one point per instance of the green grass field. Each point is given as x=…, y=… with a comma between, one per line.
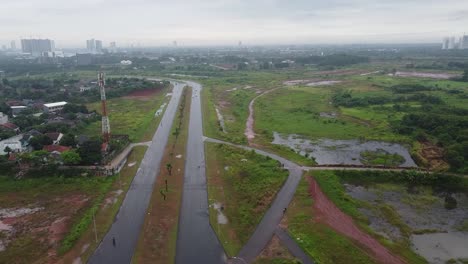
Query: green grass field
x=245, y=183
x=132, y=116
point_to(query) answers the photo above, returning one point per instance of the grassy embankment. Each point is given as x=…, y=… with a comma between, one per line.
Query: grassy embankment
x=320, y=241
x=157, y=242
x=244, y=184
x=132, y=116
x=81, y=240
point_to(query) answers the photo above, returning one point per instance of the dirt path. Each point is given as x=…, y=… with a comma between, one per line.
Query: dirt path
x=326, y=212
x=249, y=125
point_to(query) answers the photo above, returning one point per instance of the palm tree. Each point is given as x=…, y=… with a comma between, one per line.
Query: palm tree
x=169, y=168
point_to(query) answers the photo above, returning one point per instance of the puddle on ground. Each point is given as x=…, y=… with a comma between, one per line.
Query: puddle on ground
x=441, y=247
x=160, y=110
x=313, y=84
x=442, y=76
x=222, y=219
x=340, y=152
x=328, y=115
x=310, y=82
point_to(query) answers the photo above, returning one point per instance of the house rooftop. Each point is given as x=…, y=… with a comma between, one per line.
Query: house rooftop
x=55, y=104
x=58, y=148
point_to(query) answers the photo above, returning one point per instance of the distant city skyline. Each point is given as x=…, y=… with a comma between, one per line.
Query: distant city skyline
x=214, y=22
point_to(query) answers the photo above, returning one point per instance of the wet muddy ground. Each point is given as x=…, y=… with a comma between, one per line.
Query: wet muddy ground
x=340, y=152
x=441, y=76
x=438, y=233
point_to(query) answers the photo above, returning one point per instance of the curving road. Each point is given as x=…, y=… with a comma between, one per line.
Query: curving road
x=268, y=225
x=128, y=221
x=196, y=240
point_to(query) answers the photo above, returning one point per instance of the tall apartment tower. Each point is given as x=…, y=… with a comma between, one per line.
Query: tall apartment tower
x=91, y=45
x=98, y=45
x=37, y=46
x=445, y=43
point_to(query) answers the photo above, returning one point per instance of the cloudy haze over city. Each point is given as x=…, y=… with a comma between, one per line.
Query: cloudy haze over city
x=213, y=22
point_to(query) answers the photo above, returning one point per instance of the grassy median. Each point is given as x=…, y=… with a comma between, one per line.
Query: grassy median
x=157, y=241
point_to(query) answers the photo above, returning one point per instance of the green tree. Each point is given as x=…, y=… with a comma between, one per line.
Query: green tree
x=90, y=152
x=70, y=157
x=38, y=142
x=68, y=140
x=7, y=150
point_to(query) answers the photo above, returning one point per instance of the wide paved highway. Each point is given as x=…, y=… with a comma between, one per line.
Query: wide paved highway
x=129, y=220
x=196, y=240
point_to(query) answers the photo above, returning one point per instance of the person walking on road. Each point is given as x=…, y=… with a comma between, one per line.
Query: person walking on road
x=113, y=241
x=284, y=210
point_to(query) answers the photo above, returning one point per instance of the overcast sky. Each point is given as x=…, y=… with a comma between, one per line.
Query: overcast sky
x=214, y=22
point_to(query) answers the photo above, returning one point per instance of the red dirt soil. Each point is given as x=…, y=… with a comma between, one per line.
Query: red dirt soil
x=143, y=93
x=326, y=212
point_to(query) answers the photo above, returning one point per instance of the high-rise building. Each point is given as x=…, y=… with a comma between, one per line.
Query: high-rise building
x=445, y=43
x=98, y=46
x=91, y=45
x=13, y=45
x=94, y=46
x=464, y=42
x=451, y=43
x=37, y=46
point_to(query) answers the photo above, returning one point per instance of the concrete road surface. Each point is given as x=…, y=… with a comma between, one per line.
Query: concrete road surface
x=129, y=220
x=196, y=240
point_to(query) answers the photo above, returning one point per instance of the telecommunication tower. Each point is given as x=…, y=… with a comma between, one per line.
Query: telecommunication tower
x=105, y=118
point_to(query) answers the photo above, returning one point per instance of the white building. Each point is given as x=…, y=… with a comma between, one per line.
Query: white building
x=17, y=109
x=3, y=118
x=54, y=107
x=14, y=143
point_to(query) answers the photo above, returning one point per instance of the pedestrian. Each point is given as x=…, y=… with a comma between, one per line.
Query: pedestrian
x=284, y=210
x=113, y=241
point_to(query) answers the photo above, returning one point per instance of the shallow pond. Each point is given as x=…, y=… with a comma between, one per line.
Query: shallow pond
x=444, y=238
x=336, y=152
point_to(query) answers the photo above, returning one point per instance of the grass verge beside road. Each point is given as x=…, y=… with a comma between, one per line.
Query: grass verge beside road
x=108, y=208
x=241, y=186
x=133, y=116
x=157, y=241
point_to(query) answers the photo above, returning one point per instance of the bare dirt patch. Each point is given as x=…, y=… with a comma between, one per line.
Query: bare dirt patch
x=434, y=156
x=142, y=94
x=326, y=212
x=44, y=224
x=274, y=250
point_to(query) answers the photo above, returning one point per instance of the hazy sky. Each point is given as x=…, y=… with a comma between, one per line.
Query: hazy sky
x=212, y=22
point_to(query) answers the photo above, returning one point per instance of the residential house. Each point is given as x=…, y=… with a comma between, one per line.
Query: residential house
x=14, y=143
x=10, y=126
x=3, y=118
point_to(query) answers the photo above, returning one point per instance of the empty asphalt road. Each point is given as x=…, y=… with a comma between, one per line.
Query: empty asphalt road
x=128, y=222
x=196, y=240
x=268, y=225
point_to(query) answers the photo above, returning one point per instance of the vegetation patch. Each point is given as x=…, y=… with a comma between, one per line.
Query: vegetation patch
x=244, y=184
x=381, y=157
